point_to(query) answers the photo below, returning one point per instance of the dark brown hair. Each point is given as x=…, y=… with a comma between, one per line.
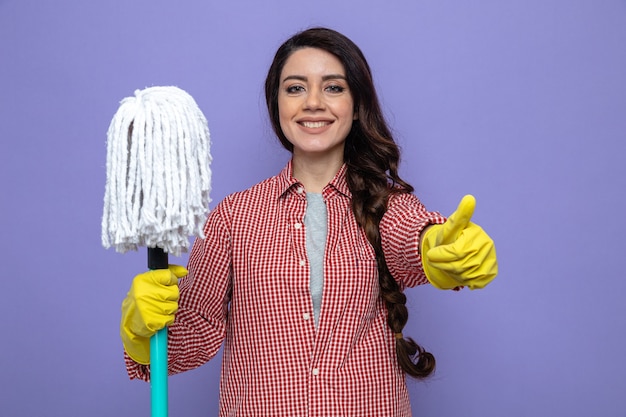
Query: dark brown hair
x=371, y=158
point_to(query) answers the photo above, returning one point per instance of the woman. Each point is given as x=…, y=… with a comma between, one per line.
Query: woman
x=301, y=276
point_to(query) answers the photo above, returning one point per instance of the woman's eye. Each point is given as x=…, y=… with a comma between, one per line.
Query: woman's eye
x=294, y=89
x=335, y=89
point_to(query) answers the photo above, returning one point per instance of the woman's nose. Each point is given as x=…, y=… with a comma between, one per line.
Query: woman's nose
x=314, y=100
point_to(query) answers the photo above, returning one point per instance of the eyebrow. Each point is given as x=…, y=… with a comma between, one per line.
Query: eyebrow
x=324, y=77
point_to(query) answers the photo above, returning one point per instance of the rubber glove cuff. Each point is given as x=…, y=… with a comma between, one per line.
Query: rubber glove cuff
x=436, y=277
x=137, y=347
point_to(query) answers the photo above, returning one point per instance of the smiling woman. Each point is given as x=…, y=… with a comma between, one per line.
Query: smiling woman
x=335, y=237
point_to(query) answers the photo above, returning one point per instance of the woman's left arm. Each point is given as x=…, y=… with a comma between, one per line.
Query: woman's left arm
x=400, y=230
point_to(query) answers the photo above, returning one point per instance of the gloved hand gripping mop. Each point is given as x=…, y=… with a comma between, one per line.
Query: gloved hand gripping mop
x=157, y=195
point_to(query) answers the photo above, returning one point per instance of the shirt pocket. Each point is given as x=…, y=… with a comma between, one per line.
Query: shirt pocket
x=356, y=252
x=360, y=246
x=357, y=274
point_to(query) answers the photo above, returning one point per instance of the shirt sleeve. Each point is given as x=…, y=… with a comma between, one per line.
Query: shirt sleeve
x=200, y=324
x=400, y=229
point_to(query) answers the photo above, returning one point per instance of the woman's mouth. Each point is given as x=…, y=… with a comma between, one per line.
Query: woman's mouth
x=314, y=125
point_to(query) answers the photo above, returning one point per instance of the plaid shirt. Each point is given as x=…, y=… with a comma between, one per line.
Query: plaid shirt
x=248, y=285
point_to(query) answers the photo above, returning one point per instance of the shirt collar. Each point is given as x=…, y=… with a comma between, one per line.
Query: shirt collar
x=285, y=179
x=339, y=183
x=286, y=182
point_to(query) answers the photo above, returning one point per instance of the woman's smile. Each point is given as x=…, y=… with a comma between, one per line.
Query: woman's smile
x=314, y=125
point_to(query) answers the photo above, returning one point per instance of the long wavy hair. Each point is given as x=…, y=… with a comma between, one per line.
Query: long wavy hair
x=371, y=157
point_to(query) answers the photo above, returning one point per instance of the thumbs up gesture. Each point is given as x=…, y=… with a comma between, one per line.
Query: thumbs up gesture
x=459, y=252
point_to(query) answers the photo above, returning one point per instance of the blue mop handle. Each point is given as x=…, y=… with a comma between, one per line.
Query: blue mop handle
x=158, y=373
x=157, y=259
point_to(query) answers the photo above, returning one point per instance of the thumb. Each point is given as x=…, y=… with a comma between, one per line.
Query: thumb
x=178, y=270
x=457, y=221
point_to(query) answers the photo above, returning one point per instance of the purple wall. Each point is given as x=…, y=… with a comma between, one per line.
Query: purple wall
x=522, y=103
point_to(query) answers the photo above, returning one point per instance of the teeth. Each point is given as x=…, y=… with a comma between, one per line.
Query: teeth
x=314, y=125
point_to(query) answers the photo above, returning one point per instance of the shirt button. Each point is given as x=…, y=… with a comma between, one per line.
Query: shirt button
x=302, y=263
x=297, y=225
x=306, y=316
x=300, y=190
x=315, y=371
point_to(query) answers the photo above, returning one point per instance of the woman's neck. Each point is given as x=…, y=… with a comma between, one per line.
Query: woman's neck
x=315, y=173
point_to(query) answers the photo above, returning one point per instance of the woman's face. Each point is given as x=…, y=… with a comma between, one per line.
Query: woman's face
x=315, y=106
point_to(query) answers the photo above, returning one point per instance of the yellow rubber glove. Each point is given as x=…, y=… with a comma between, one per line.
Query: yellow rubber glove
x=458, y=252
x=149, y=306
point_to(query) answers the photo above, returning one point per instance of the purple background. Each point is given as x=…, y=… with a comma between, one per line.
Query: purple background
x=520, y=102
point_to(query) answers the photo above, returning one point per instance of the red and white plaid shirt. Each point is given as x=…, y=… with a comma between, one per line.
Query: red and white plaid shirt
x=248, y=285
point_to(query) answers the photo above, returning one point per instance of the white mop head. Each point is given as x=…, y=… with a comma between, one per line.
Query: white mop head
x=158, y=172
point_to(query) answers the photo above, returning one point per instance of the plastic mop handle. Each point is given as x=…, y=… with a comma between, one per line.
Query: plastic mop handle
x=157, y=259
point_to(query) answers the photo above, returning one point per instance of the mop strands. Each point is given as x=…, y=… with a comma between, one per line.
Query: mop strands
x=158, y=172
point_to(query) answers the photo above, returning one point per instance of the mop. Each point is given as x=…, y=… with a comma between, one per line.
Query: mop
x=157, y=190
